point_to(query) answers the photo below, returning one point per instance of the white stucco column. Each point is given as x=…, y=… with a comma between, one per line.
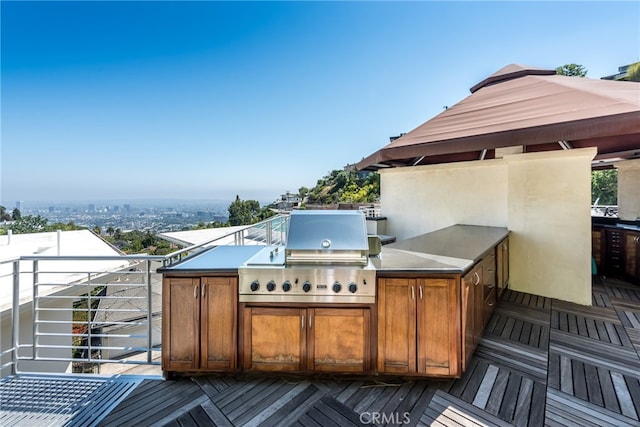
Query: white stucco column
x=550, y=222
x=629, y=189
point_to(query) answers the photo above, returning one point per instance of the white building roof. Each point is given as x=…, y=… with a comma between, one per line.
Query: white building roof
x=63, y=243
x=196, y=237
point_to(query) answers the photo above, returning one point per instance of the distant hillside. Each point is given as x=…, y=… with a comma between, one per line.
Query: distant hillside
x=344, y=186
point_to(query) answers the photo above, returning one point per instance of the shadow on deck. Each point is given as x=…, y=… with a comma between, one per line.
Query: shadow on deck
x=540, y=362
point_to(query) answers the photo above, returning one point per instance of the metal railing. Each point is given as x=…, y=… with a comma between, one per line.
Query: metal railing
x=89, y=311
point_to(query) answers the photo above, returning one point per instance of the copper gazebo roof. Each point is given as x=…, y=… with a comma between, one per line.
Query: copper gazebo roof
x=525, y=106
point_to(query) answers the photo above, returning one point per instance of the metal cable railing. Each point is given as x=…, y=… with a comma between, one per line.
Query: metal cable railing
x=89, y=311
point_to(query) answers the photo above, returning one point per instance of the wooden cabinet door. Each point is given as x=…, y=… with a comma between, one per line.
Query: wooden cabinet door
x=468, y=328
x=437, y=328
x=502, y=267
x=488, y=287
x=596, y=246
x=219, y=323
x=478, y=300
x=489, y=275
x=181, y=324
x=274, y=339
x=339, y=339
x=397, y=325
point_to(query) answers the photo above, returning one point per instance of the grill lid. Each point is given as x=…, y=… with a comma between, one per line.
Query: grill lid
x=327, y=237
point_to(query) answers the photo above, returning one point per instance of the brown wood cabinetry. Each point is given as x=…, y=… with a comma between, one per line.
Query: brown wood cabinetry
x=473, y=312
x=418, y=326
x=619, y=252
x=199, y=324
x=502, y=267
x=479, y=297
x=307, y=339
x=632, y=256
x=597, y=248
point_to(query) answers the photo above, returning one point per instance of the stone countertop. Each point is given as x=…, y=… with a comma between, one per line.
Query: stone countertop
x=453, y=249
x=613, y=222
x=219, y=259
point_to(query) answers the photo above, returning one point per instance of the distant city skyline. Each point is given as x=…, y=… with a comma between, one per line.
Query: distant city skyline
x=208, y=100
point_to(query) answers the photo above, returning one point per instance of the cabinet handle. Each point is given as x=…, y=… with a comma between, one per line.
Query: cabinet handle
x=475, y=273
x=302, y=319
x=490, y=286
x=203, y=290
x=195, y=291
x=420, y=292
x=310, y=320
x=490, y=304
x=413, y=293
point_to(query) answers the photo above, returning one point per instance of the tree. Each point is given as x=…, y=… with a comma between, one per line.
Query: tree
x=97, y=230
x=572, y=70
x=634, y=72
x=302, y=192
x=245, y=212
x=604, y=187
x=347, y=187
x=29, y=224
x=15, y=214
x=4, y=215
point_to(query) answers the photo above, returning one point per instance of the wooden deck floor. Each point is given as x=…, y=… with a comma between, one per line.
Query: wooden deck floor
x=540, y=362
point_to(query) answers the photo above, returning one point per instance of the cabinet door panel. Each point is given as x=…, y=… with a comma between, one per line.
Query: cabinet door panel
x=632, y=246
x=181, y=324
x=275, y=339
x=468, y=328
x=437, y=328
x=339, y=339
x=489, y=274
x=397, y=326
x=502, y=267
x=219, y=323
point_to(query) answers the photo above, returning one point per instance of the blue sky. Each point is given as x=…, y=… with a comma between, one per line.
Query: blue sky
x=206, y=100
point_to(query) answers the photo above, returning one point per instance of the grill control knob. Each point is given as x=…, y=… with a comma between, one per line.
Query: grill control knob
x=337, y=287
x=271, y=285
x=353, y=287
x=306, y=286
x=255, y=285
x=286, y=286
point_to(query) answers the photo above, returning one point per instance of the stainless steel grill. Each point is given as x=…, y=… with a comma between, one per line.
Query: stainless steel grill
x=325, y=260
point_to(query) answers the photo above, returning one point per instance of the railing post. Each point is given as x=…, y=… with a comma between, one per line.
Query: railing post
x=15, y=331
x=89, y=338
x=149, y=313
x=268, y=231
x=35, y=315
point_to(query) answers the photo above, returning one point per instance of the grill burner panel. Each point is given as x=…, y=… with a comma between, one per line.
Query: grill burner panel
x=327, y=285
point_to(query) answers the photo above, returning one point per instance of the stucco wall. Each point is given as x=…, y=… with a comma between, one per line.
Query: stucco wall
x=550, y=223
x=543, y=198
x=420, y=199
x=629, y=189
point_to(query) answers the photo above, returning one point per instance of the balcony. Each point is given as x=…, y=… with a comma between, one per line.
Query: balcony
x=541, y=361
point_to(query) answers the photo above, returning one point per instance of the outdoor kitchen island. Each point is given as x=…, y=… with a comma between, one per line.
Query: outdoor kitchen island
x=416, y=309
